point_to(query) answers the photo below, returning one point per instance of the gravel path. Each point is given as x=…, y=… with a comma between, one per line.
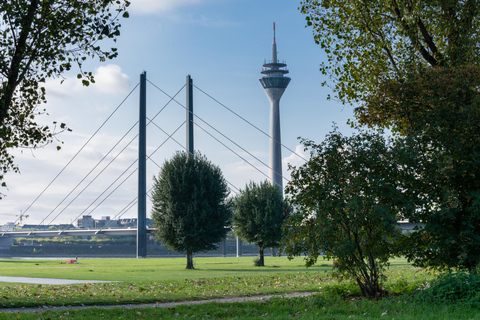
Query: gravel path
x=163, y=305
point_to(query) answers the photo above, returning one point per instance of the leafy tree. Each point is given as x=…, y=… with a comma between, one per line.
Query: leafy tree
x=443, y=111
x=258, y=216
x=41, y=39
x=368, y=41
x=190, y=207
x=347, y=199
x=413, y=66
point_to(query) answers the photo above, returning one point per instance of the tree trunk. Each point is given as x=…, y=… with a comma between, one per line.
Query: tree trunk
x=261, y=260
x=190, y=260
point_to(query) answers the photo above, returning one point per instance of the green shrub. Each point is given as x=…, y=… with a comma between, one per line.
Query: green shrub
x=452, y=288
x=404, y=286
x=342, y=290
x=257, y=262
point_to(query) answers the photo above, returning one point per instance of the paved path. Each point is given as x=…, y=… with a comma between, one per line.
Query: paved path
x=162, y=305
x=46, y=280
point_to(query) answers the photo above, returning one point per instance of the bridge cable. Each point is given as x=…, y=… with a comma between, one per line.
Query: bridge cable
x=78, y=152
x=88, y=174
x=91, y=204
x=186, y=149
x=232, y=151
x=93, y=180
x=121, y=213
x=100, y=162
x=169, y=137
x=251, y=124
x=223, y=136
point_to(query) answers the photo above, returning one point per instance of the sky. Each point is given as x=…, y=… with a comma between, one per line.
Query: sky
x=222, y=44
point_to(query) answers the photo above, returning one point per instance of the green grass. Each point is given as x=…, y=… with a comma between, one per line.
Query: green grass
x=321, y=306
x=166, y=280
x=152, y=269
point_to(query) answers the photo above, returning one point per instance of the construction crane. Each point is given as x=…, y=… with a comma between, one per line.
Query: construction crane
x=21, y=216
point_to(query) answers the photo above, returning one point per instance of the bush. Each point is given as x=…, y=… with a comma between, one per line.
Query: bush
x=346, y=201
x=452, y=288
x=257, y=262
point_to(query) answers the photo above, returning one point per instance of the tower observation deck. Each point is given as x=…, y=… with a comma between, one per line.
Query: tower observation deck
x=274, y=82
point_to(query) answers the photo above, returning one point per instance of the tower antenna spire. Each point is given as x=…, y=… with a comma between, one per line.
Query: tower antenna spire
x=274, y=34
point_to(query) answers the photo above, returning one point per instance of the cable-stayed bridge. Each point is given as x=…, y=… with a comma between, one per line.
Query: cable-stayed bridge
x=129, y=140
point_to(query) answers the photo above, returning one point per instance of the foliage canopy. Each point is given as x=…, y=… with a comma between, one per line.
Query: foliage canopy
x=444, y=131
x=40, y=39
x=191, y=209
x=259, y=214
x=413, y=66
x=347, y=199
x=369, y=41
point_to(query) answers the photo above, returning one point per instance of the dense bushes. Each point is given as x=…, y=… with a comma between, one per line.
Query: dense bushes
x=452, y=288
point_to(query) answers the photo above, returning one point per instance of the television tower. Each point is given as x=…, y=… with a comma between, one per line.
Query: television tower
x=275, y=84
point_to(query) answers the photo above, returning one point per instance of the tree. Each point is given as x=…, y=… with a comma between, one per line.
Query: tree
x=369, y=41
x=347, y=199
x=41, y=39
x=191, y=209
x=258, y=216
x=413, y=66
x=440, y=112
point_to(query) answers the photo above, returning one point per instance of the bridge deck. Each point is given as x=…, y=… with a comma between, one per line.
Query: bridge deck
x=76, y=233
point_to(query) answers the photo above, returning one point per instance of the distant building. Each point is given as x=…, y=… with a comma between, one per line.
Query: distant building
x=86, y=222
x=104, y=221
x=7, y=227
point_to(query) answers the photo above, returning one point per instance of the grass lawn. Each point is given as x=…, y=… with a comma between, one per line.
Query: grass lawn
x=153, y=269
x=163, y=280
x=316, y=307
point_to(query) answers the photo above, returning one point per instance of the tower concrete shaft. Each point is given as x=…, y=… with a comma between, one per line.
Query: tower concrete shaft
x=274, y=82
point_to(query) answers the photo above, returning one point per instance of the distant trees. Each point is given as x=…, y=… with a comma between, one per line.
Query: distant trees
x=191, y=210
x=347, y=199
x=41, y=39
x=258, y=216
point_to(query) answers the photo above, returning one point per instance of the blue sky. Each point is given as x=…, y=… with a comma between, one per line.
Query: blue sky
x=222, y=44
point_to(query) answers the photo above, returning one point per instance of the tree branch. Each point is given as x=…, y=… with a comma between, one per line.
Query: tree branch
x=421, y=49
x=13, y=80
x=382, y=38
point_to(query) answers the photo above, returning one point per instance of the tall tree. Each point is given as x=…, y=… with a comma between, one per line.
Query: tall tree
x=347, y=199
x=368, y=41
x=40, y=39
x=191, y=209
x=413, y=66
x=440, y=112
x=258, y=216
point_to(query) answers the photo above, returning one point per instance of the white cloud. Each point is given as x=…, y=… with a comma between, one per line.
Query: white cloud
x=240, y=173
x=294, y=159
x=159, y=6
x=110, y=79
x=203, y=20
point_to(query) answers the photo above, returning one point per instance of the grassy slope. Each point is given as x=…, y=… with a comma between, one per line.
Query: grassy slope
x=154, y=280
